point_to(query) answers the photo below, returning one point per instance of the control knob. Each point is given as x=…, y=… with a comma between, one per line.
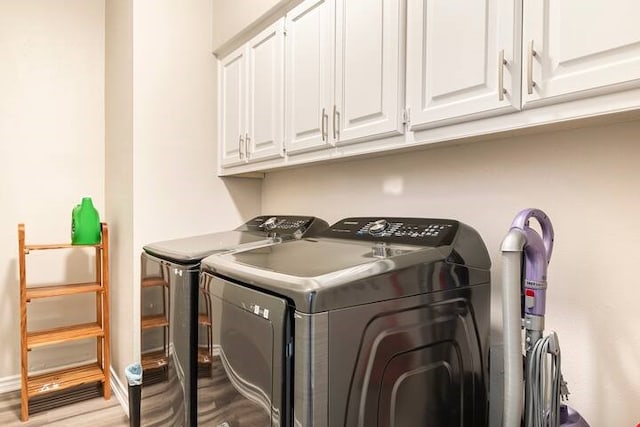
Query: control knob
x=270, y=223
x=378, y=226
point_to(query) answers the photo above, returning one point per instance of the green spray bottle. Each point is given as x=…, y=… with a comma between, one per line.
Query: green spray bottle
x=85, y=223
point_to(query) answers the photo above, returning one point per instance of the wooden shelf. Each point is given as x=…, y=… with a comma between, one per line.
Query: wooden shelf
x=154, y=360
x=64, y=378
x=204, y=357
x=28, y=248
x=63, y=334
x=203, y=319
x=154, y=321
x=62, y=290
x=154, y=285
x=154, y=281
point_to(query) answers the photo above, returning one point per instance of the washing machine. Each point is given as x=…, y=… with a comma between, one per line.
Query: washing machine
x=374, y=322
x=176, y=324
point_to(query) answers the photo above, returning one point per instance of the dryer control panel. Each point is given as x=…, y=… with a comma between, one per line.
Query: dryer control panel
x=284, y=226
x=408, y=231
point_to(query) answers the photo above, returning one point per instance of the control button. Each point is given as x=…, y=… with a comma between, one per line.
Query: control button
x=530, y=298
x=270, y=223
x=378, y=226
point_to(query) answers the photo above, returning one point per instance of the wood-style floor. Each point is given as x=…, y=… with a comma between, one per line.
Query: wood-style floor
x=95, y=412
x=162, y=406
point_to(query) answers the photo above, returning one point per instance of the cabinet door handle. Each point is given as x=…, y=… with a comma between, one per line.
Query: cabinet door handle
x=501, y=63
x=240, y=146
x=322, y=125
x=247, y=152
x=530, y=82
x=336, y=122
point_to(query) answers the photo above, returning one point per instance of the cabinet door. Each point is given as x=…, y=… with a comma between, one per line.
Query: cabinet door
x=232, y=106
x=265, y=120
x=369, y=69
x=454, y=72
x=581, y=49
x=309, y=67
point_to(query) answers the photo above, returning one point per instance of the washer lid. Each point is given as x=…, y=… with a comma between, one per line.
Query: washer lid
x=261, y=230
x=310, y=272
x=362, y=260
x=319, y=259
x=195, y=248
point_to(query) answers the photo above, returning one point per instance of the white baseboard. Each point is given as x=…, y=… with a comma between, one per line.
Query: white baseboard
x=10, y=383
x=120, y=391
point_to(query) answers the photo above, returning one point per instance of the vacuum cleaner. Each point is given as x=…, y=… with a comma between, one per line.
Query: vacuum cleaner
x=525, y=256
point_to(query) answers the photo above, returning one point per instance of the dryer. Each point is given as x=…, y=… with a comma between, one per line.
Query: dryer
x=375, y=322
x=175, y=324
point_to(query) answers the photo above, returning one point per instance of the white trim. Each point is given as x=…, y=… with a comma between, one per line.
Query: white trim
x=10, y=383
x=120, y=391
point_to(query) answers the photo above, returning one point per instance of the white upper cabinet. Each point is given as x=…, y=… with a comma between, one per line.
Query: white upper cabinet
x=250, y=99
x=232, y=104
x=265, y=120
x=463, y=60
x=345, y=72
x=369, y=72
x=339, y=78
x=309, y=70
x=575, y=49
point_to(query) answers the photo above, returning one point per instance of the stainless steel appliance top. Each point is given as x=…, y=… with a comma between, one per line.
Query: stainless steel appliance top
x=258, y=231
x=334, y=269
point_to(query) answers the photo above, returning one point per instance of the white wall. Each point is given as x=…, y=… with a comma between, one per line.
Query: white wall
x=586, y=180
x=231, y=17
x=161, y=150
x=119, y=178
x=52, y=151
x=69, y=66
x=176, y=189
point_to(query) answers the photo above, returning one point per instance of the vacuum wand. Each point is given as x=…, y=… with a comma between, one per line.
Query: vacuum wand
x=544, y=386
x=523, y=242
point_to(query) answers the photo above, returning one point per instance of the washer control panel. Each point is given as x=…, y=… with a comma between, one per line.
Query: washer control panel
x=283, y=226
x=410, y=231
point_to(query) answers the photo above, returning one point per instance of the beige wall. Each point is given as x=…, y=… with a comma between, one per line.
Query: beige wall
x=176, y=189
x=113, y=100
x=119, y=178
x=161, y=151
x=231, y=17
x=52, y=151
x=586, y=180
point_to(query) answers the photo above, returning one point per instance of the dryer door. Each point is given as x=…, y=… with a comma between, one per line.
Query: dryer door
x=249, y=383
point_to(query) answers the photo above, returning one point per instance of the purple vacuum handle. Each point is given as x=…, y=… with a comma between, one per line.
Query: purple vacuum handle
x=537, y=253
x=521, y=221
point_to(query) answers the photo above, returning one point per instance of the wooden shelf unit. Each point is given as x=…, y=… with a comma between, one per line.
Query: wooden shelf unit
x=58, y=380
x=205, y=349
x=154, y=360
x=154, y=321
